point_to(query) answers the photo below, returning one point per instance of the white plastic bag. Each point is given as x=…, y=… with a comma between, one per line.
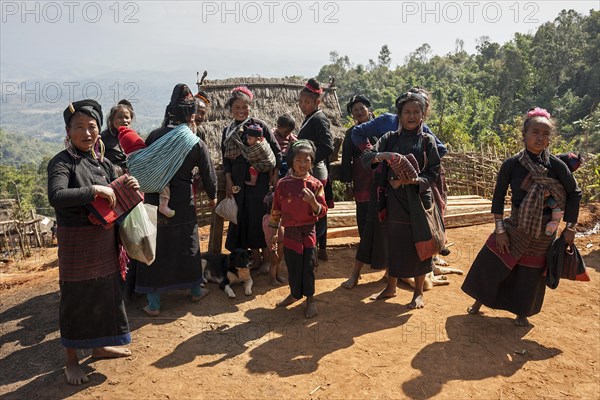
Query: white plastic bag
x=227, y=209
x=138, y=233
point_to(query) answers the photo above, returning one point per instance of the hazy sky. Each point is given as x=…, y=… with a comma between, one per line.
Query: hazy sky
x=238, y=38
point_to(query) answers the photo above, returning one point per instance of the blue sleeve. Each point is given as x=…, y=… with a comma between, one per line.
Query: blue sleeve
x=374, y=128
x=442, y=150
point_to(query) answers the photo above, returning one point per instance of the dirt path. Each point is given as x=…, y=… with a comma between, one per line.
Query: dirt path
x=355, y=348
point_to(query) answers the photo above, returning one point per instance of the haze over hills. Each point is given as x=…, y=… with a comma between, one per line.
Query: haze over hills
x=34, y=106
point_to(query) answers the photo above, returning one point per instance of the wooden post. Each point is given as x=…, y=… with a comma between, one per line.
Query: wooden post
x=36, y=231
x=20, y=236
x=215, y=240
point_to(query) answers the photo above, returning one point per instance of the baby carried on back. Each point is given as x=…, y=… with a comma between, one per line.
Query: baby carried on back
x=154, y=166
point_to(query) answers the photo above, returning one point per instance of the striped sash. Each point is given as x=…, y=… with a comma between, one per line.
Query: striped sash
x=127, y=198
x=532, y=206
x=157, y=164
x=524, y=248
x=260, y=156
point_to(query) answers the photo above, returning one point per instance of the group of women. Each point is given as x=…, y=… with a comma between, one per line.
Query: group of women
x=393, y=163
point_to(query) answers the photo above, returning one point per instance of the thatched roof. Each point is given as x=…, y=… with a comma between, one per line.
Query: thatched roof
x=272, y=98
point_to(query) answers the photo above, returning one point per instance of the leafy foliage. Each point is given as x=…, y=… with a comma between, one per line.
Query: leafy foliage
x=478, y=98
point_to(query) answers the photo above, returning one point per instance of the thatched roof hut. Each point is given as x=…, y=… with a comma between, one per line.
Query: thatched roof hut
x=272, y=98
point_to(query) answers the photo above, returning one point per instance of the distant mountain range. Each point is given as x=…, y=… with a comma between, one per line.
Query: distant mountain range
x=33, y=107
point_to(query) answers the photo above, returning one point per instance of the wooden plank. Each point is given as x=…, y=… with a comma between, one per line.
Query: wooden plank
x=334, y=221
x=476, y=218
x=468, y=209
x=347, y=231
x=468, y=202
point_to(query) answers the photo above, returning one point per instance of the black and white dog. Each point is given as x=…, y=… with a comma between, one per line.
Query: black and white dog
x=228, y=269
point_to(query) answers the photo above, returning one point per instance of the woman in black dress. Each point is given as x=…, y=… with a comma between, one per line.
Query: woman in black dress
x=507, y=274
x=92, y=313
x=247, y=233
x=177, y=263
x=404, y=201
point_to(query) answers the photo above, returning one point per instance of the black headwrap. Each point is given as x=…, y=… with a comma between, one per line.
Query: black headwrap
x=408, y=97
x=358, y=98
x=181, y=91
x=88, y=106
x=125, y=102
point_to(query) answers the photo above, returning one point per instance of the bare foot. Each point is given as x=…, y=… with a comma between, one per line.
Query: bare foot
x=350, y=282
x=74, y=374
x=521, y=321
x=322, y=254
x=110, y=352
x=167, y=212
x=311, y=309
x=384, y=294
x=275, y=282
x=287, y=301
x=203, y=294
x=417, y=302
x=264, y=269
x=151, y=313
x=474, y=309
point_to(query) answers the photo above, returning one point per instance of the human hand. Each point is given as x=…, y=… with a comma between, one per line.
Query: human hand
x=502, y=242
x=569, y=236
x=274, y=177
x=389, y=156
x=132, y=182
x=106, y=193
x=228, y=186
x=308, y=196
x=212, y=203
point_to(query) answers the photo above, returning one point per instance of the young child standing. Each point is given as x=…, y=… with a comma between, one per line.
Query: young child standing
x=285, y=138
x=275, y=251
x=299, y=201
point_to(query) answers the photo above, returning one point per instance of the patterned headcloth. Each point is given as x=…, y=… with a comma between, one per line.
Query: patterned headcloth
x=253, y=130
x=88, y=106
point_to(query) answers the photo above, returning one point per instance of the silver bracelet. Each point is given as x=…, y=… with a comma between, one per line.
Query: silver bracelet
x=500, y=228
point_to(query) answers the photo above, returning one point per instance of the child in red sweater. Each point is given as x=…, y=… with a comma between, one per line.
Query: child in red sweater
x=298, y=203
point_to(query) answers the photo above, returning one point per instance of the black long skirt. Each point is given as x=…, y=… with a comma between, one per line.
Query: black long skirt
x=403, y=260
x=373, y=246
x=520, y=290
x=92, y=313
x=247, y=233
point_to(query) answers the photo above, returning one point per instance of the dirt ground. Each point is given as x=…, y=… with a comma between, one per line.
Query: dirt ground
x=355, y=348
